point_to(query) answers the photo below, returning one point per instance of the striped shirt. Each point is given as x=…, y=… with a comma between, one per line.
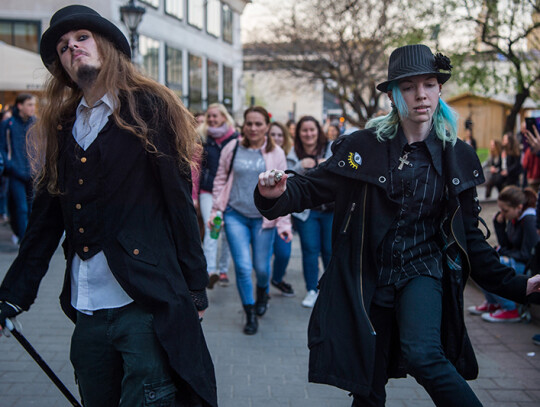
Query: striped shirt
x=411, y=247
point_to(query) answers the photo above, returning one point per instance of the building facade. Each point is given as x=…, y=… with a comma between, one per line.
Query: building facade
x=191, y=46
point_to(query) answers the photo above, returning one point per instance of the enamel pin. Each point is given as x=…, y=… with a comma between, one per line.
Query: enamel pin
x=355, y=160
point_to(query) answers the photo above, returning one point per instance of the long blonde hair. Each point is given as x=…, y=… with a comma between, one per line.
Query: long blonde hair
x=203, y=128
x=122, y=81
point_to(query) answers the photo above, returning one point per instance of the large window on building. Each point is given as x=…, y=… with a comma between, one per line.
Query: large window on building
x=213, y=17
x=22, y=34
x=195, y=83
x=228, y=87
x=153, y=3
x=227, y=20
x=196, y=13
x=174, y=70
x=175, y=8
x=212, y=81
x=149, y=49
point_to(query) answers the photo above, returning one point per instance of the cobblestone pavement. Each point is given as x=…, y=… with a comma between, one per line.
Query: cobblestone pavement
x=269, y=368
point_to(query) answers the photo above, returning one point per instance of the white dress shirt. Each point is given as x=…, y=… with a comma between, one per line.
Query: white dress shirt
x=93, y=285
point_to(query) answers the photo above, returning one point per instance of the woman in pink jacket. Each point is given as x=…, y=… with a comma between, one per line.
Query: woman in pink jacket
x=250, y=236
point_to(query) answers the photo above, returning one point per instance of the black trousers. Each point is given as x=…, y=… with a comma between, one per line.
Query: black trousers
x=118, y=360
x=416, y=313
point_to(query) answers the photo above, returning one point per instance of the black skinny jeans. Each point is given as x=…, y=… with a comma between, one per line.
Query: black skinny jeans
x=417, y=314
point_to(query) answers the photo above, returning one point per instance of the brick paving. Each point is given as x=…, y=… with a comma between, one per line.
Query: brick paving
x=269, y=368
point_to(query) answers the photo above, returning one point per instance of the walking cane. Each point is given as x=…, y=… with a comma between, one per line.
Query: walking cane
x=39, y=360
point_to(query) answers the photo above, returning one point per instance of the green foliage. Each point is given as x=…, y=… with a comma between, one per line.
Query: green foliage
x=500, y=55
x=483, y=154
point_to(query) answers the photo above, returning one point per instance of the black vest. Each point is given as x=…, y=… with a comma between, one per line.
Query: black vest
x=83, y=198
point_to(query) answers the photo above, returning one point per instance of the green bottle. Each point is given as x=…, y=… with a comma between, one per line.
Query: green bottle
x=214, y=232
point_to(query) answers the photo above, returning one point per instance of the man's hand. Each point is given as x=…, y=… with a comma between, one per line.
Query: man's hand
x=272, y=184
x=8, y=310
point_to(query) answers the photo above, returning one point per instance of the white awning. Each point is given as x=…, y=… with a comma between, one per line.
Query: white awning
x=20, y=69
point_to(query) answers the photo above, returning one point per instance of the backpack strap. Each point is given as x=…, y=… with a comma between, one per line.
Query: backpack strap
x=232, y=159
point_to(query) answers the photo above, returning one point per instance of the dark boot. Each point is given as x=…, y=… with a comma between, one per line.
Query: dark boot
x=262, y=301
x=251, y=320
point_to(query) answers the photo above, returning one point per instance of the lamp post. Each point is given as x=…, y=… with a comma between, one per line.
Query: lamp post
x=131, y=15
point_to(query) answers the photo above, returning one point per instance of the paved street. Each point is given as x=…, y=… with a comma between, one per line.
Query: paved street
x=270, y=368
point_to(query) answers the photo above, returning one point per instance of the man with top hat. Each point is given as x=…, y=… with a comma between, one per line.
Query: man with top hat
x=112, y=153
x=406, y=237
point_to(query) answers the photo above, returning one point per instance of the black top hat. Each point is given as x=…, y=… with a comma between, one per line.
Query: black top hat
x=412, y=60
x=78, y=17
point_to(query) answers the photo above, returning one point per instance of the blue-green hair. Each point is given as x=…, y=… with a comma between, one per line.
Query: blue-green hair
x=386, y=127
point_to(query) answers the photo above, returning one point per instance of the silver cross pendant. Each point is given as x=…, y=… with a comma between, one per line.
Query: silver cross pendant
x=403, y=160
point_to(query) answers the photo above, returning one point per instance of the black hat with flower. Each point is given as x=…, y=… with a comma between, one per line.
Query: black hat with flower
x=412, y=60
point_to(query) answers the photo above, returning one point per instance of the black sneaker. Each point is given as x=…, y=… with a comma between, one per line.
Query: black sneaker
x=286, y=289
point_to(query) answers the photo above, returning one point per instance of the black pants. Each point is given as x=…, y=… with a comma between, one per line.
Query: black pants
x=118, y=360
x=417, y=314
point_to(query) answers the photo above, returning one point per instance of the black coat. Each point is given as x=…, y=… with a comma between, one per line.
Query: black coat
x=340, y=337
x=149, y=235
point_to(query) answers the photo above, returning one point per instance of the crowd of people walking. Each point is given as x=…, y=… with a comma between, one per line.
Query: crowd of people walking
x=127, y=177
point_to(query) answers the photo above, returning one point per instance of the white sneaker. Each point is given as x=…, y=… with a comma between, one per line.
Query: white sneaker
x=310, y=299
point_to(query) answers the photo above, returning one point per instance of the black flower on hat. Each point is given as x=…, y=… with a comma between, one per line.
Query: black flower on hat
x=442, y=62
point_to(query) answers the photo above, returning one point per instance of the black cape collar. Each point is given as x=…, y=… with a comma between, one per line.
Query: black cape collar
x=361, y=156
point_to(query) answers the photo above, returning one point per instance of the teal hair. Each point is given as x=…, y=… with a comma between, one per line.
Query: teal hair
x=386, y=127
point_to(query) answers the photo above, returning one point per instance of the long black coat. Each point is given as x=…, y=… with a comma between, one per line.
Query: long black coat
x=340, y=337
x=150, y=239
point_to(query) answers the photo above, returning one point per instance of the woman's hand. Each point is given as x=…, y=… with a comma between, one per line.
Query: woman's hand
x=210, y=222
x=272, y=184
x=286, y=236
x=533, y=284
x=308, y=163
x=504, y=173
x=493, y=169
x=533, y=140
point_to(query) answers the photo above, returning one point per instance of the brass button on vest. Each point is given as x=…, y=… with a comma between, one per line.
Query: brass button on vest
x=81, y=230
x=78, y=206
x=83, y=160
x=136, y=252
x=81, y=181
x=86, y=249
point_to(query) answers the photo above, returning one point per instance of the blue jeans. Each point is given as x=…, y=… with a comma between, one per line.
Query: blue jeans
x=19, y=204
x=282, y=254
x=503, y=302
x=417, y=314
x=315, y=237
x=251, y=248
x=3, y=194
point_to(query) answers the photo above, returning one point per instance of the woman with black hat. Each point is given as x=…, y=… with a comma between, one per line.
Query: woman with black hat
x=405, y=240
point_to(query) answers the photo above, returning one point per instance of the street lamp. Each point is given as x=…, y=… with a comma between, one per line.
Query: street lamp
x=131, y=15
